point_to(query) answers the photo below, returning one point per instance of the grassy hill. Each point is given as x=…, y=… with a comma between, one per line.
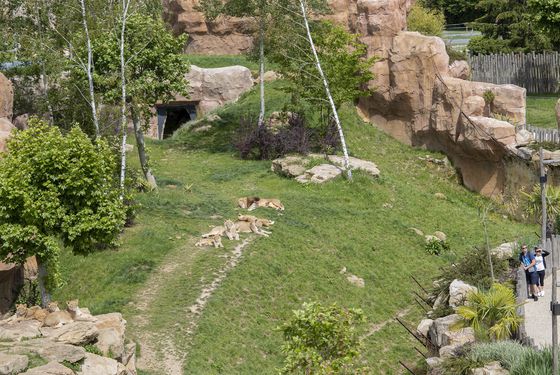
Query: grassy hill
x=364, y=226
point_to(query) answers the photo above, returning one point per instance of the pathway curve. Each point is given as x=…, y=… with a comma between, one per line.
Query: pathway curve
x=538, y=317
x=159, y=354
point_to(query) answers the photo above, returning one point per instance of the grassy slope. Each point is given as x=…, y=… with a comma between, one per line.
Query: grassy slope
x=323, y=229
x=540, y=111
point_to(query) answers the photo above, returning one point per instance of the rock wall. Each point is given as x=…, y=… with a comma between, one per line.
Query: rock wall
x=418, y=99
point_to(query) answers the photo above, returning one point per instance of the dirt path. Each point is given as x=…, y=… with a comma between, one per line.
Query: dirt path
x=158, y=352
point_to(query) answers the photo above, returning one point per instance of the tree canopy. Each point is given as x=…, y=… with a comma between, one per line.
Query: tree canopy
x=56, y=190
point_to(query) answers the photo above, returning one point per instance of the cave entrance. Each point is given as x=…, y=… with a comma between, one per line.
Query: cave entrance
x=172, y=116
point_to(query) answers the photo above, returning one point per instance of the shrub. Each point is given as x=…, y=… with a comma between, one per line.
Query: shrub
x=436, y=246
x=454, y=54
x=57, y=190
x=294, y=136
x=425, y=21
x=492, y=314
x=481, y=45
x=518, y=359
x=323, y=340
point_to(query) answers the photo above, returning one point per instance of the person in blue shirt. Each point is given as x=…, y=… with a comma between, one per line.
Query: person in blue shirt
x=528, y=262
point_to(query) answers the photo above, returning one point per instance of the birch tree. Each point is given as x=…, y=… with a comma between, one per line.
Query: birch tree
x=326, y=65
x=89, y=68
x=124, y=121
x=154, y=70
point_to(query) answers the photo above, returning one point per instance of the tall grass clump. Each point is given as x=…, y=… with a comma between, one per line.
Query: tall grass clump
x=518, y=359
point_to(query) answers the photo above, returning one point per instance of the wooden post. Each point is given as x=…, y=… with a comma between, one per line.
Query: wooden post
x=554, y=301
x=543, y=198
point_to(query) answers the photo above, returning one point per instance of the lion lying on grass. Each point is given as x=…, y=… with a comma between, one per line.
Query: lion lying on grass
x=253, y=224
x=244, y=224
x=251, y=203
x=228, y=229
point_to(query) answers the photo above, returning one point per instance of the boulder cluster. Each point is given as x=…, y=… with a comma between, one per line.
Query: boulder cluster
x=96, y=346
x=315, y=168
x=443, y=333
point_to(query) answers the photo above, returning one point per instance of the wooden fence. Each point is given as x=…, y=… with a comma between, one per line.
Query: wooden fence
x=544, y=135
x=539, y=73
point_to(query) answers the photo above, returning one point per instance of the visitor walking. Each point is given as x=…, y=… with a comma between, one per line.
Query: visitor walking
x=528, y=262
x=540, y=266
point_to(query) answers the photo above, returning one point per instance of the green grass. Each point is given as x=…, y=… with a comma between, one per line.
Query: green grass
x=541, y=111
x=363, y=226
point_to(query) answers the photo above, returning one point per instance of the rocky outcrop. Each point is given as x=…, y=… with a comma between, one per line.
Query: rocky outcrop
x=213, y=88
x=492, y=368
x=458, y=292
x=419, y=101
x=460, y=69
x=333, y=167
x=24, y=339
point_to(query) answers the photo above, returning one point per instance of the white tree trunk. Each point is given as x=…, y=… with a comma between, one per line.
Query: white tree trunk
x=261, y=61
x=327, y=90
x=140, y=144
x=89, y=69
x=124, y=121
x=42, y=275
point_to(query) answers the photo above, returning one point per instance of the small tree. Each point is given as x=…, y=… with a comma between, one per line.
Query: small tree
x=492, y=314
x=155, y=71
x=547, y=15
x=56, y=190
x=323, y=340
x=425, y=21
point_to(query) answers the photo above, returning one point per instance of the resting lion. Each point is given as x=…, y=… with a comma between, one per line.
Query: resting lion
x=35, y=312
x=251, y=203
x=252, y=224
x=215, y=241
x=228, y=229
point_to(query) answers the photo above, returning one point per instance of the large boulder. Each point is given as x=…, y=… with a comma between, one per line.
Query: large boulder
x=505, y=250
x=51, y=368
x=98, y=365
x=320, y=174
x=492, y=368
x=11, y=364
x=460, y=69
x=75, y=333
x=438, y=332
x=20, y=330
x=110, y=339
x=289, y=166
x=424, y=327
x=458, y=292
x=218, y=86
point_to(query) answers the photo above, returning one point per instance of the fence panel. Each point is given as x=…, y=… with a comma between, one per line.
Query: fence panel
x=544, y=135
x=539, y=73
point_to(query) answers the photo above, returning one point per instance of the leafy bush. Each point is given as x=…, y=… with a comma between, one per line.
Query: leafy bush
x=294, y=136
x=473, y=268
x=454, y=54
x=323, y=340
x=492, y=314
x=480, y=45
x=57, y=190
x=425, y=21
x=518, y=359
x=436, y=246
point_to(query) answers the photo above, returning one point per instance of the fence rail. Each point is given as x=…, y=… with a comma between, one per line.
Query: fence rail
x=539, y=73
x=544, y=135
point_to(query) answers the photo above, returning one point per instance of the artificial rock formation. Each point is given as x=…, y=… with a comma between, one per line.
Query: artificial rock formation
x=419, y=99
x=21, y=340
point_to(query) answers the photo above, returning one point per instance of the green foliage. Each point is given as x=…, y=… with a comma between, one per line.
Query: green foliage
x=492, y=314
x=90, y=348
x=506, y=26
x=533, y=203
x=518, y=359
x=547, y=15
x=456, y=11
x=488, y=97
x=454, y=54
x=342, y=59
x=323, y=340
x=425, y=21
x=435, y=246
x=56, y=190
x=155, y=65
x=29, y=293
